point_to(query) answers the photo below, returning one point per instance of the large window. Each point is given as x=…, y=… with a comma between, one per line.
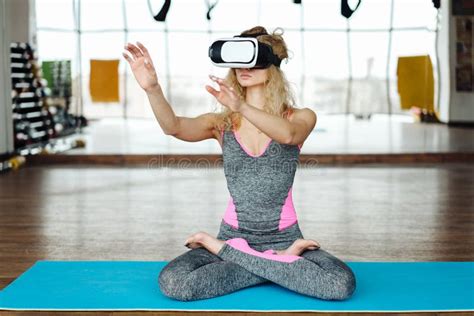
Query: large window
x=326, y=48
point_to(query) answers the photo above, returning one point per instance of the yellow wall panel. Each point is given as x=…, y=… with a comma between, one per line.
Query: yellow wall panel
x=416, y=82
x=104, y=80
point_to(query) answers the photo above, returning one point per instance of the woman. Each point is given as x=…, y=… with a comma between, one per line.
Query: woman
x=261, y=134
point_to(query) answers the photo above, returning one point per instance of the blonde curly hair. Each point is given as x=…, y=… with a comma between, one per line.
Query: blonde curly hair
x=278, y=94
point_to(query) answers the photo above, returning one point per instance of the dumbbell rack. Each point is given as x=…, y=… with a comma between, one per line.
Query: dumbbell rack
x=31, y=124
x=33, y=120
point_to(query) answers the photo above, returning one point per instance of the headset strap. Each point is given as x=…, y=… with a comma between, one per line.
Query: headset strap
x=252, y=35
x=276, y=60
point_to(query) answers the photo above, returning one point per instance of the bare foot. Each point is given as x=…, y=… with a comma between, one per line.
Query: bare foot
x=203, y=239
x=299, y=246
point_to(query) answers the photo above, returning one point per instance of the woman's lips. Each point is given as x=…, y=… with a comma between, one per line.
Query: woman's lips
x=245, y=76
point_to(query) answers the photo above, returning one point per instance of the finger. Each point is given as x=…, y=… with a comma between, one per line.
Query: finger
x=226, y=89
x=128, y=58
x=216, y=79
x=144, y=50
x=135, y=49
x=136, y=52
x=212, y=91
x=222, y=82
x=138, y=49
x=130, y=50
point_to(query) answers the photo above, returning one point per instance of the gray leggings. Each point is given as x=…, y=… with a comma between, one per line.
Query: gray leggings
x=200, y=274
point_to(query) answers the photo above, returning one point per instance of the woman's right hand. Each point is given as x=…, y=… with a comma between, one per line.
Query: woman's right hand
x=142, y=66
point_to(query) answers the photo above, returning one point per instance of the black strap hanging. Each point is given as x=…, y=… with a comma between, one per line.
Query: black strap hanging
x=161, y=16
x=346, y=10
x=210, y=7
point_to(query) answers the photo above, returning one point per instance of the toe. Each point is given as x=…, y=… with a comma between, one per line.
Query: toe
x=314, y=242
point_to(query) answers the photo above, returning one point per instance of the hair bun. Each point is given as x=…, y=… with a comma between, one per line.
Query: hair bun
x=278, y=31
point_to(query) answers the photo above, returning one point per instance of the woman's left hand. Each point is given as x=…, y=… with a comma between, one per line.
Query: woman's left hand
x=226, y=96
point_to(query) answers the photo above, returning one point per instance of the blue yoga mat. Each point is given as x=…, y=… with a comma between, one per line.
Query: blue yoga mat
x=132, y=285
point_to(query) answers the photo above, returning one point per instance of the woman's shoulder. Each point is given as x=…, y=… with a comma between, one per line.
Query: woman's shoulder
x=305, y=112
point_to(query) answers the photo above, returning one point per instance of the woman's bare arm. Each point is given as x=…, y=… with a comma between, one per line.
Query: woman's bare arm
x=184, y=128
x=291, y=131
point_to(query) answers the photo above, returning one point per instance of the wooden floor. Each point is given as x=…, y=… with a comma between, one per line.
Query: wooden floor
x=372, y=212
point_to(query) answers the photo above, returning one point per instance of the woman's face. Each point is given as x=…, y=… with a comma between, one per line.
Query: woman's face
x=248, y=77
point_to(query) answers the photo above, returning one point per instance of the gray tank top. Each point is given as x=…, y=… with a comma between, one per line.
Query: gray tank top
x=260, y=186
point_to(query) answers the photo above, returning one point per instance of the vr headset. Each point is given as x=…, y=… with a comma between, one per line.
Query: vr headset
x=243, y=51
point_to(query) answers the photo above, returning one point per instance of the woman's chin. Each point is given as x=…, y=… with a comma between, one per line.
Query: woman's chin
x=247, y=84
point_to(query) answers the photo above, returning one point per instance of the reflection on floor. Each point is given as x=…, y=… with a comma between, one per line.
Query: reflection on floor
x=334, y=134
x=412, y=212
